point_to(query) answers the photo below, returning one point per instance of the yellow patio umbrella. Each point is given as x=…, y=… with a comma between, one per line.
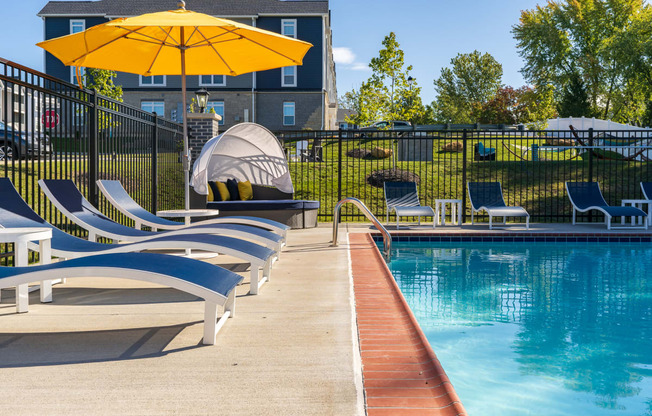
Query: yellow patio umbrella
x=177, y=42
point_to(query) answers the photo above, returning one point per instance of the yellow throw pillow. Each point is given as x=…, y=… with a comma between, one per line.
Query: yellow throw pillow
x=224, y=192
x=211, y=197
x=245, y=190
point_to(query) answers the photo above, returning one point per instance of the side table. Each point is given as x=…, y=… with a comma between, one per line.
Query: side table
x=456, y=211
x=19, y=237
x=638, y=203
x=187, y=214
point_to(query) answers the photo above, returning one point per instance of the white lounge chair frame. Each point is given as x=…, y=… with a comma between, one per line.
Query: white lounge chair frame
x=213, y=300
x=504, y=211
x=276, y=227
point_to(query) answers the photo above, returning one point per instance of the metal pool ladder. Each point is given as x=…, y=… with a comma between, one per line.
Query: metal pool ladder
x=387, y=239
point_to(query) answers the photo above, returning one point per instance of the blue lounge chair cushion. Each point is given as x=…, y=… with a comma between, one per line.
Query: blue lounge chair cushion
x=200, y=273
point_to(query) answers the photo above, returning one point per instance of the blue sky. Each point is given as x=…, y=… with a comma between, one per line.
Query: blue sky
x=430, y=32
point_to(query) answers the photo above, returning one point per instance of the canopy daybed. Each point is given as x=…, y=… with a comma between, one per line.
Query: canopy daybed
x=250, y=152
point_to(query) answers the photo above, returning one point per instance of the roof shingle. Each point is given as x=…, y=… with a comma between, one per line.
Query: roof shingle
x=123, y=8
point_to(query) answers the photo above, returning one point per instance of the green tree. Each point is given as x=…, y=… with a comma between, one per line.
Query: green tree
x=386, y=95
x=602, y=45
x=101, y=80
x=574, y=101
x=472, y=80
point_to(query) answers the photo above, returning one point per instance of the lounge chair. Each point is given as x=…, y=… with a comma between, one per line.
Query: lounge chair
x=403, y=198
x=488, y=196
x=116, y=194
x=484, y=153
x=212, y=283
x=646, y=187
x=586, y=196
x=14, y=212
x=65, y=195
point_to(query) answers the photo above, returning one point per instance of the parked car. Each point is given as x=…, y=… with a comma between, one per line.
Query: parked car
x=22, y=145
x=387, y=125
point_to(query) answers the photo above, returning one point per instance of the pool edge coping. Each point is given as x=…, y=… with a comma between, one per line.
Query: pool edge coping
x=378, y=261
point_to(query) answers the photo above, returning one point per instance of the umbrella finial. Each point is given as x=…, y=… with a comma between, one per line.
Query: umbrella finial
x=181, y=5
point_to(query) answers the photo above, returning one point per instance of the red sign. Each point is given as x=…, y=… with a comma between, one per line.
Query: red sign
x=50, y=119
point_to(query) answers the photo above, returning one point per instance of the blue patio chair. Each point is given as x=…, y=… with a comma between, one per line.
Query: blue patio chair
x=488, y=196
x=484, y=153
x=212, y=283
x=586, y=196
x=403, y=199
x=14, y=212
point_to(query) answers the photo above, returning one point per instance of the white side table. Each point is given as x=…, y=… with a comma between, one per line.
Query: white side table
x=638, y=203
x=20, y=237
x=456, y=210
x=187, y=214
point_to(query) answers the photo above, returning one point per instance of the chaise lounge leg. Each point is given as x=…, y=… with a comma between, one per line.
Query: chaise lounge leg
x=253, y=286
x=45, y=258
x=210, y=323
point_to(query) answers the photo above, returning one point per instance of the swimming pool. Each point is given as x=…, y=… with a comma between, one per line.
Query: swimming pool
x=536, y=328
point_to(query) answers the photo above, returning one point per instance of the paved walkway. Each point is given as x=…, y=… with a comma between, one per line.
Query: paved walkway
x=130, y=348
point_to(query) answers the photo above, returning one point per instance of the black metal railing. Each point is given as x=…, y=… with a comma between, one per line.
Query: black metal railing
x=532, y=166
x=55, y=130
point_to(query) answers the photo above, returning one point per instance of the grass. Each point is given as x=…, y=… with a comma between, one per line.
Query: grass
x=538, y=186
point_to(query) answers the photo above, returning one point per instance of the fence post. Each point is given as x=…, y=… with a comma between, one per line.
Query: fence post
x=154, y=206
x=464, y=176
x=93, y=151
x=591, y=155
x=591, y=165
x=339, y=165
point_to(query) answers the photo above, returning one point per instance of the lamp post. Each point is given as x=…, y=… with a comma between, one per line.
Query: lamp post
x=202, y=99
x=410, y=82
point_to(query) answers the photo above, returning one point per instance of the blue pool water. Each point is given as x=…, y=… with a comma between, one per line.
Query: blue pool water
x=536, y=328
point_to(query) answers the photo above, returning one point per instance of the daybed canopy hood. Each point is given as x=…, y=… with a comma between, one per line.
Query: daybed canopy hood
x=246, y=152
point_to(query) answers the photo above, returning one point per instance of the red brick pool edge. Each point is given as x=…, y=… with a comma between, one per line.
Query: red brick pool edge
x=402, y=375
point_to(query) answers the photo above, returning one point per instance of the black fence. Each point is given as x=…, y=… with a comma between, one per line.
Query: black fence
x=532, y=166
x=55, y=130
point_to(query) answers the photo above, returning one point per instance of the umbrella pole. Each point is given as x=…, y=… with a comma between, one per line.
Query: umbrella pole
x=186, y=157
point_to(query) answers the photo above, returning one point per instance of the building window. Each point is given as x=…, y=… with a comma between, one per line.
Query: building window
x=77, y=26
x=288, y=113
x=212, y=80
x=289, y=76
x=73, y=74
x=153, y=81
x=157, y=107
x=289, y=27
x=218, y=106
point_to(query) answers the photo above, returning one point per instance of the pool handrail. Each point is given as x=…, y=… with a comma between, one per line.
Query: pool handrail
x=387, y=238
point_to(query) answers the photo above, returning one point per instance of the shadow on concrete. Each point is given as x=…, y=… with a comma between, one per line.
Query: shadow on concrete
x=61, y=348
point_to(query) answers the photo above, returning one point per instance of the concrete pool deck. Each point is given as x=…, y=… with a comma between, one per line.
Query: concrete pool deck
x=109, y=347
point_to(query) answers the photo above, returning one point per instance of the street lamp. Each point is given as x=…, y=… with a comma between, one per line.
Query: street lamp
x=202, y=98
x=410, y=82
